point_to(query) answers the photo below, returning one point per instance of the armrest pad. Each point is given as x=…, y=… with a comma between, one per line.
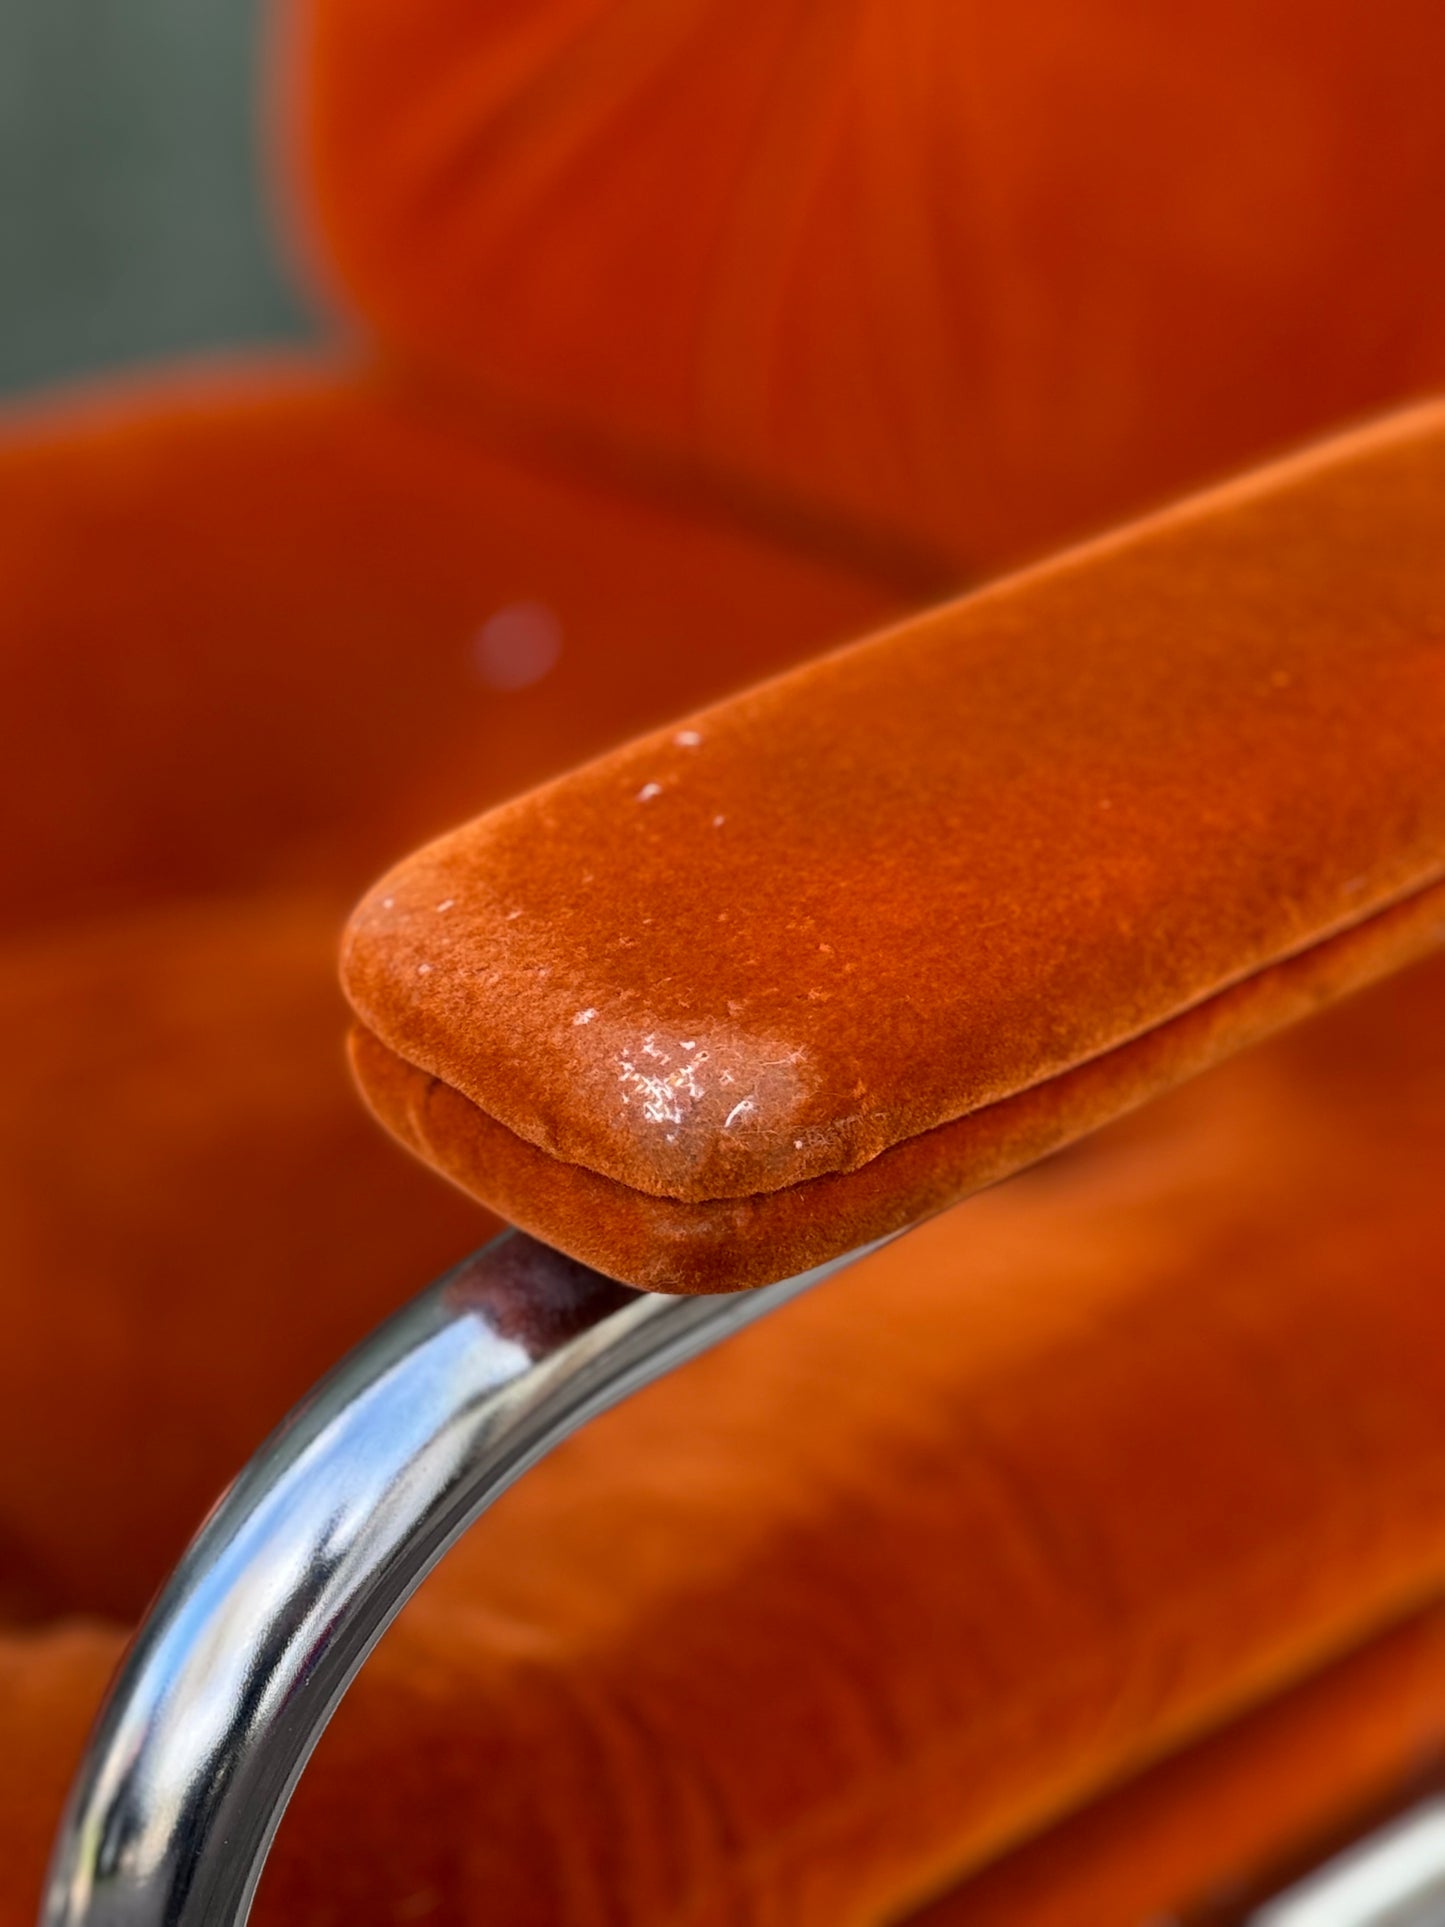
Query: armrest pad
x=837, y=951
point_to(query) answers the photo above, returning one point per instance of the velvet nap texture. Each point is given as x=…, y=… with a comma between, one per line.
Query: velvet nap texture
x=897, y=914
x=973, y=278
x=1048, y=1490
x=1052, y=1489
x=317, y=620
x=268, y=625
x=1232, y=1820
x=1227, y=1818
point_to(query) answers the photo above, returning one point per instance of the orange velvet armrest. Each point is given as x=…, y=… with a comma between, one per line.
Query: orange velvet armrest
x=832, y=954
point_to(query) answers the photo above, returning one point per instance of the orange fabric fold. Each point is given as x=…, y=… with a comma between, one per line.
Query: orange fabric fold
x=980, y=279
x=1238, y=1816
x=274, y=663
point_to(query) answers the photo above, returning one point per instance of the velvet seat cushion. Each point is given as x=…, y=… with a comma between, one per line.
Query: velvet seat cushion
x=843, y=1612
x=272, y=666
x=272, y=662
x=1229, y=1817
x=1235, y=1818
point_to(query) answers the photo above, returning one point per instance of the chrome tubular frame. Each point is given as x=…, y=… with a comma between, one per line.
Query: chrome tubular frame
x=311, y=1554
x=1394, y=1877
x=314, y=1550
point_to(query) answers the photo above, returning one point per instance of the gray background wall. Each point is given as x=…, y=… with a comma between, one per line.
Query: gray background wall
x=132, y=217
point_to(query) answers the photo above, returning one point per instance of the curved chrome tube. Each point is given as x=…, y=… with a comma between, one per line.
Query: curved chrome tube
x=314, y=1550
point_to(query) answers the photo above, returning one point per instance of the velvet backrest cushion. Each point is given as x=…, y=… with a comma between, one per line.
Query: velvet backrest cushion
x=959, y=279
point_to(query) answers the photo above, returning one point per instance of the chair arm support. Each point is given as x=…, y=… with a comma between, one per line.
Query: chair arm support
x=835, y=953
x=315, y=1549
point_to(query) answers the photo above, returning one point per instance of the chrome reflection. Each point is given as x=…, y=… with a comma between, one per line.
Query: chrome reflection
x=313, y=1551
x=1395, y=1878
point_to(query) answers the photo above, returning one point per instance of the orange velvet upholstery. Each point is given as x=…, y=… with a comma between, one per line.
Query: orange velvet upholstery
x=1237, y=1817
x=686, y=342
x=974, y=279
x=226, y=726
x=273, y=666
x=1056, y=1485
x=1096, y=1461
x=856, y=921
